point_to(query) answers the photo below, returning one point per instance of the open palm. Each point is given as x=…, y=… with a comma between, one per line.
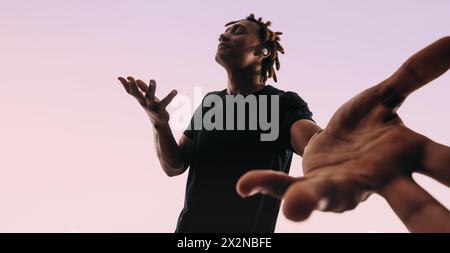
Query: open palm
x=363, y=149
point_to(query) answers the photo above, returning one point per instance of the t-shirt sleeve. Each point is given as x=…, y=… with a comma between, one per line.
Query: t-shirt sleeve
x=294, y=108
x=190, y=130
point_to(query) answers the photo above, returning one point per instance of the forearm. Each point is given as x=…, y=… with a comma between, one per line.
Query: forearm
x=170, y=155
x=423, y=67
x=301, y=133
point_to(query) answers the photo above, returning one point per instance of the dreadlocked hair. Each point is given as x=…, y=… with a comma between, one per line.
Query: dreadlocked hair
x=272, y=41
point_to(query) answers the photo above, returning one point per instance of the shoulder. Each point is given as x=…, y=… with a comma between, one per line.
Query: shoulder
x=287, y=97
x=219, y=93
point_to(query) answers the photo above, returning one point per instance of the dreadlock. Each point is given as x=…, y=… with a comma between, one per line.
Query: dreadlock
x=272, y=41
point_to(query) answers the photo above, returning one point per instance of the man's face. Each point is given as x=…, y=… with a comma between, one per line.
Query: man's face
x=239, y=46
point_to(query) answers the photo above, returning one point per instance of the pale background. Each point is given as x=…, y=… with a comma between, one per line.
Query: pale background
x=77, y=152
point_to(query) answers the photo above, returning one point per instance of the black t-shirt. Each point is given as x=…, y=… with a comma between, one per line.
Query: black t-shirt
x=221, y=157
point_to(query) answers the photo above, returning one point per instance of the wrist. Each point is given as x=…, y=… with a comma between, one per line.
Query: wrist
x=159, y=125
x=314, y=136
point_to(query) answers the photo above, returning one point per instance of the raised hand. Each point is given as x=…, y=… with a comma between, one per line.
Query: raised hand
x=145, y=95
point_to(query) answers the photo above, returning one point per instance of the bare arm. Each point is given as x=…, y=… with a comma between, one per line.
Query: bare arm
x=301, y=132
x=173, y=156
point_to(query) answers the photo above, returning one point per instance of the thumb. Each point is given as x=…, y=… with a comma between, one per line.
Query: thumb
x=303, y=197
x=264, y=181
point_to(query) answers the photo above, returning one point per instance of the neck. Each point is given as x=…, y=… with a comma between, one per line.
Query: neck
x=244, y=81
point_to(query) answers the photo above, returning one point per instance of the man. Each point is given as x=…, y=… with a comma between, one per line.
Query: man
x=365, y=148
x=248, y=51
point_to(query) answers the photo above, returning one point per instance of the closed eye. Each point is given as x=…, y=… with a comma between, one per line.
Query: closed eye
x=237, y=29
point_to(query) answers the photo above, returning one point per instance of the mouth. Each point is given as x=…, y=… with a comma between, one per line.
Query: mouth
x=223, y=45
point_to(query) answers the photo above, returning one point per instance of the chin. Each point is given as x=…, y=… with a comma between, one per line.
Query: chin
x=219, y=59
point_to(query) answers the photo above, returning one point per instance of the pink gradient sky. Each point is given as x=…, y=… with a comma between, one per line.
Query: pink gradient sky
x=77, y=152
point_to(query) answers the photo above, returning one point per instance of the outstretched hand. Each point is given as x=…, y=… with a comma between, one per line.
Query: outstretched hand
x=145, y=95
x=366, y=148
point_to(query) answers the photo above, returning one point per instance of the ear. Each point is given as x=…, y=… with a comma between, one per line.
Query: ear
x=265, y=52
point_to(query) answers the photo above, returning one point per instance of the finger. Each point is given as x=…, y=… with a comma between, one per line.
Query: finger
x=357, y=110
x=264, y=181
x=417, y=209
x=142, y=86
x=389, y=101
x=376, y=105
x=421, y=68
x=417, y=71
x=391, y=98
x=150, y=94
x=333, y=194
x=436, y=162
x=303, y=197
x=133, y=88
x=166, y=101
x=134, y=91
x=125, y=84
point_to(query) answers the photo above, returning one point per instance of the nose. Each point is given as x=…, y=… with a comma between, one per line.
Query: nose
x=223, y=37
